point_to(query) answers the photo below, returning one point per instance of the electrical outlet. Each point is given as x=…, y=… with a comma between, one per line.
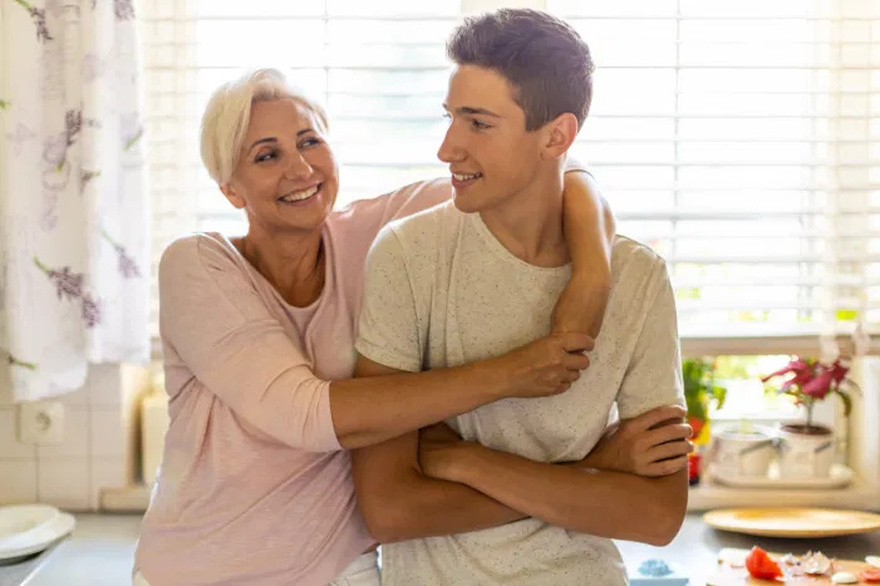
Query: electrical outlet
x=41, y=423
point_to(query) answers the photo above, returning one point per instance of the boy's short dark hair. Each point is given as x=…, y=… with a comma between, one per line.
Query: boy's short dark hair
x=544, y=58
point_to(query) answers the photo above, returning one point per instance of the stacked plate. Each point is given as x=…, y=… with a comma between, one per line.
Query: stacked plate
x=29, y=529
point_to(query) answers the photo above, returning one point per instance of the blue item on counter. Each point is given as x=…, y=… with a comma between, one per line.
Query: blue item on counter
x=656, y=572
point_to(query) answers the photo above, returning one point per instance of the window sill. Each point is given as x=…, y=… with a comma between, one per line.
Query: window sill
x=858, y=495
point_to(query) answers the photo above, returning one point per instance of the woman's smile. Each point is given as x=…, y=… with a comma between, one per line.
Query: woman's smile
x=302, y=196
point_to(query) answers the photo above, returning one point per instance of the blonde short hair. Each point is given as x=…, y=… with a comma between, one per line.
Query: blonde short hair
x=228, y=113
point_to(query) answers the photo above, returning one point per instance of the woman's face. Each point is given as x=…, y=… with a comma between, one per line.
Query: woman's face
x=286, y=177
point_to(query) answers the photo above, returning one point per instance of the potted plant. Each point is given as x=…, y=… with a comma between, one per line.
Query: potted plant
x=699, y=391
x=807, y=448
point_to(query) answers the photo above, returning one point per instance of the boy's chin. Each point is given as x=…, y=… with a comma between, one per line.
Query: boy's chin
x=466, y=203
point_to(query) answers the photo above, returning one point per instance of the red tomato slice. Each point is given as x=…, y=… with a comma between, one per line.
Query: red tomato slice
x=760, y=566
x=871, y=575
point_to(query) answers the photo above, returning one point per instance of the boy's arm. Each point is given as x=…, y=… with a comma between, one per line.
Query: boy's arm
x=398, y=502
x=604, y=503
x=589, y=231
x=607, y=504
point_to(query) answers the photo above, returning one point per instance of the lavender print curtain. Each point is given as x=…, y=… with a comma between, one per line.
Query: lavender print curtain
x=73, y=204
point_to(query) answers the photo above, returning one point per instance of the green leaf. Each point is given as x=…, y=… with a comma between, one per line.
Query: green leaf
x=847, y=401
x=719, y=394
x=134, y=139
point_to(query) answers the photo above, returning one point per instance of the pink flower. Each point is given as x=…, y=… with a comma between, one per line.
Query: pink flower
x=838, y=371
x=819, y=386
x=811, y=381
x=801, y=369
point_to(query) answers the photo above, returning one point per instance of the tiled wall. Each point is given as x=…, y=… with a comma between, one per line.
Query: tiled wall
x=96, y=452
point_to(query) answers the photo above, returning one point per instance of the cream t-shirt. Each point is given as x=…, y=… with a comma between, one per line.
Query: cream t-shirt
x=442, y=291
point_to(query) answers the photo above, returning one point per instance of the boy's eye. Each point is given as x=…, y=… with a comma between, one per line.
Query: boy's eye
x=477, y=125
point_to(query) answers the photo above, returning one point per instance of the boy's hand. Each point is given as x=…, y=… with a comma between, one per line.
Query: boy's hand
x=439, y=446
x=653, y=444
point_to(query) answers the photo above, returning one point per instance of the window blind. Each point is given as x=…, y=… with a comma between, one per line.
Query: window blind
x=740, y=141
x=378, y=67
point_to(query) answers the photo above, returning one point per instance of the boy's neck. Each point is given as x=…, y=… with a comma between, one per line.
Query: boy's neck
x=529, y=223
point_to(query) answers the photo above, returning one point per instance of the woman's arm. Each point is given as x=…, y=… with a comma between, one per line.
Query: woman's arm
x=227, y=339
x=369, y=411
x=589, y=230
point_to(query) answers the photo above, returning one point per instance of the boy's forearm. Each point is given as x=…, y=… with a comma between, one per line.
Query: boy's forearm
x=607, y=504
x=420, y=506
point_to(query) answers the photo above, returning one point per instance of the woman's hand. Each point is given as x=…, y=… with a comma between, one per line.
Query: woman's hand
x=439, y=449
x=653, y=444
x=546, y=366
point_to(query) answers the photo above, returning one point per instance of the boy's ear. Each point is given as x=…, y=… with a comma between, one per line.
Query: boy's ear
x=560, y=134
x=232, y=195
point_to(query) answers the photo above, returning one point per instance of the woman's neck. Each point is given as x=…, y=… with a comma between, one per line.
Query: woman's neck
x=292, y=263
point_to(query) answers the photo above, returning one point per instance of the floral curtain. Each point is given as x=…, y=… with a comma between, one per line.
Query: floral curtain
x=74, y=225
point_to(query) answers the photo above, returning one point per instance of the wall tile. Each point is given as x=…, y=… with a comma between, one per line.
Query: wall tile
x=19, y=484
x=65, y=483
x=76, y=399
x=104, y=385
x=5, y=384
x=10, y=447
x=107, y=473
x=76, y=437
x=99, y=429
x=108, y=434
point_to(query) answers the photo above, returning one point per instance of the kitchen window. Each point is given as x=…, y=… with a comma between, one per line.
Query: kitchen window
x=740, y=140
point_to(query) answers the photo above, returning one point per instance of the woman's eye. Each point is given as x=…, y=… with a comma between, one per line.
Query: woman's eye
x=262, y=157
x=311, y=141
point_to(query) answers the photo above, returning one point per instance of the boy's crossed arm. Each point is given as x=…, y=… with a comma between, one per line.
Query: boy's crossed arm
x=478, y=488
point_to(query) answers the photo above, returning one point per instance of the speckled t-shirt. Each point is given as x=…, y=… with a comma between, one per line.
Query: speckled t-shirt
x=442, y=291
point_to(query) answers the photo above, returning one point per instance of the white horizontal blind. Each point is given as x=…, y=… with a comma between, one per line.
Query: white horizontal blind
x=740, y=140
x=379, y=68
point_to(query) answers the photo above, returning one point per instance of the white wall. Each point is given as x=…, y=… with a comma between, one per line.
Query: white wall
x=864, y=436
x=96, y=452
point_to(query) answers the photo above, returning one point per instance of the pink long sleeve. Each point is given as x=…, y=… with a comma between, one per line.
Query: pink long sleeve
x=253, y=487
x=212, y=315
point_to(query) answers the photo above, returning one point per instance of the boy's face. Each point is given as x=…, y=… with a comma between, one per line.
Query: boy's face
x=490, y=154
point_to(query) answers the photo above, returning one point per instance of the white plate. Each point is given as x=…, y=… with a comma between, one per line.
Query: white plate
x=839, y=477
x=29, y=529
x=793, y=521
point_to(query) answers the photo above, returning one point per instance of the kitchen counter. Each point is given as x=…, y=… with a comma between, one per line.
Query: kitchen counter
x=696, y=547
x=100, y=551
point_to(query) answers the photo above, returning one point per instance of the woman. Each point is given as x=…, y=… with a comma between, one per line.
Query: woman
x=258, y=336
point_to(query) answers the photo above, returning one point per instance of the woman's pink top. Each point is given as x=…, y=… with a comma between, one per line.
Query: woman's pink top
x=254, y=487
